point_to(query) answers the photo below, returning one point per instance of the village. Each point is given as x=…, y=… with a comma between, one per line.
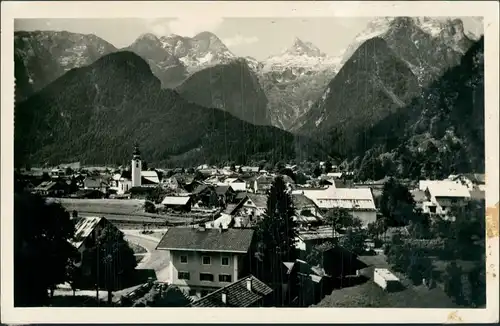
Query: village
x=193, y=232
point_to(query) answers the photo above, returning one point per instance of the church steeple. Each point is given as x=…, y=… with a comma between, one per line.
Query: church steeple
x=136, y=167
x=137, y=152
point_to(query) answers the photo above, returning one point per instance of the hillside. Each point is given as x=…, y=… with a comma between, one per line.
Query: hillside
x=95, y=114
x=42, y=56
x=231, y=87
x=372, y=84
x=439, y=133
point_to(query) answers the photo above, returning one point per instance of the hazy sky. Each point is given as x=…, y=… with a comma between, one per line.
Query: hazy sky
x=256, y=37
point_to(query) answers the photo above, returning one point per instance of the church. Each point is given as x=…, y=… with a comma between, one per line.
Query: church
x=135, y=176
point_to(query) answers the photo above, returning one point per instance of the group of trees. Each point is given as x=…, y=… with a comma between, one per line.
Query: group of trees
x=44, y=256
x=461, y=240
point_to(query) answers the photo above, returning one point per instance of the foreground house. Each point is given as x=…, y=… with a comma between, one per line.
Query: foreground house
x=87, y=230
x=204, y=260
x=246, y=292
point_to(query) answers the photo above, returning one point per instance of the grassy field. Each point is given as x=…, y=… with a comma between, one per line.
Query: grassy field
x=122, y=210
x=114, y=206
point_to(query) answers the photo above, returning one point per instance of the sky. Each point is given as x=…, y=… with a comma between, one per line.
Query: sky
x=255, y=37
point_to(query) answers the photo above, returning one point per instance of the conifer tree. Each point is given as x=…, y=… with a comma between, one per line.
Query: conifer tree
x=276, y=234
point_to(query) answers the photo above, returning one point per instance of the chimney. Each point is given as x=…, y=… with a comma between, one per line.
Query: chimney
x=224, y=297
x=249, y=284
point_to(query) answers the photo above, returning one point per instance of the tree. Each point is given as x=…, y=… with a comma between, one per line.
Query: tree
x=317, y=171
x=453, y=282
x=149, y=207
x=317, y=254
x=397, y=203
x=419, y=267
x=113, y=258
x=279, y=166
x=69, y=171
x=353, y=240
x=339, y=218
x=42, y=251
x=300, y=178
x=328, y=167
x=276, y=234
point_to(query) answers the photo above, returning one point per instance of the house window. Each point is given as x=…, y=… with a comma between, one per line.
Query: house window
x=136, y=164
x=184, y=259
x=192, y=293
x=225, y=261
x=183, y=275
x=224, y=278
x=205, y=260
x=432, y=209
x=207, y=277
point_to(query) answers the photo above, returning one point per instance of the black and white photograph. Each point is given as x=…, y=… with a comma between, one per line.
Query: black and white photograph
x=250, y=157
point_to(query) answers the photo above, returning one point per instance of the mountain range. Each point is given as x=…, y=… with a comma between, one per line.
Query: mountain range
x=303, y=90
x=440, y=132
x=94, y=114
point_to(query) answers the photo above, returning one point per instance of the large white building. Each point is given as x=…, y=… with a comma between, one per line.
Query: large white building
x=358, y=201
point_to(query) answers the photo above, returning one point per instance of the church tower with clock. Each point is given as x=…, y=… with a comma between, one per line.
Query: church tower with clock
x=136, y=167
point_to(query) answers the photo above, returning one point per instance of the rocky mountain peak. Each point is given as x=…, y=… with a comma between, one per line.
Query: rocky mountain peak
x=300, y=47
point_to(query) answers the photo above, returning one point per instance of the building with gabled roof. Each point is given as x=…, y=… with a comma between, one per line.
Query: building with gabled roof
x=248, y=291
x=177, y=202
x=443, y=194
x=87, y=230
x=358, y=201
x=204, y=260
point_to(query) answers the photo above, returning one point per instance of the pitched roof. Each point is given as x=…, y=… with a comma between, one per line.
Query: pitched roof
x=151, y=176
x=237, y=294
x=322, y=232
x=448, y=189
x=93, y=182
x=230, y=240
x=45, y=185
x=477, y=194
x=300, y=201
x=231, y=180
x=222, y=190
x=83, y=229
x=199, y=189
x=175, y=200
x=260, y=201
x=349, y=198
x=419, y=195
x=241, y=195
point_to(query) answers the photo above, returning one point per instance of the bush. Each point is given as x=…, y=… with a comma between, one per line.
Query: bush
x=149, y=207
